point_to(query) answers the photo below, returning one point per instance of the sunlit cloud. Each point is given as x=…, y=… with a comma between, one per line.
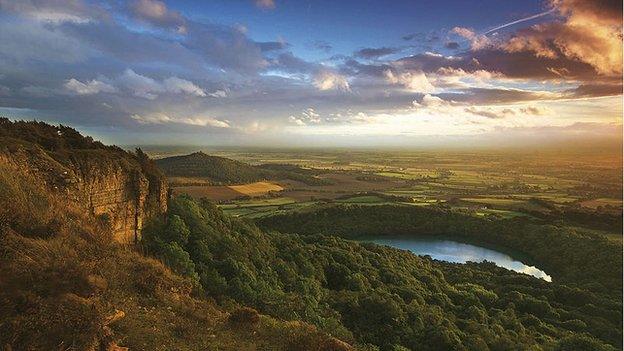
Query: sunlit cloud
x=149, y=65
x=325, y=79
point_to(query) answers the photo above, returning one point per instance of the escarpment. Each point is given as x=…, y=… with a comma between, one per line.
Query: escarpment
x=120, y=188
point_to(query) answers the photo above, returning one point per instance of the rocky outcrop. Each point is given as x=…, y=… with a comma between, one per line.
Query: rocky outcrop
x=111, y=185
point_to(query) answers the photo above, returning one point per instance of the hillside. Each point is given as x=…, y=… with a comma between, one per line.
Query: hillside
x=201, y=280
x=220, y=170
x=121, y=188
x=66, y=282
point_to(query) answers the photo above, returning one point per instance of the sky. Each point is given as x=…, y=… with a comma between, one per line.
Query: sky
x=317, y=73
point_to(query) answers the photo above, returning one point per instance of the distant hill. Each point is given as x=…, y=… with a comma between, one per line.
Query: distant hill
x=217, y=169
x=221, y=170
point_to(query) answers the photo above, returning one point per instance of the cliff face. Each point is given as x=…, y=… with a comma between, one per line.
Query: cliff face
x=125, y=198
x=108, y=183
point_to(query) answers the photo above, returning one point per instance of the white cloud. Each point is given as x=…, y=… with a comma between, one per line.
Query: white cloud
x=161, y=118
x=139, y=85
x=177, y=85
x=325, y=79
x=429, y=101
x=218, y=93
x=149, y=88
x=414, y=81
x=88, y=88
x=307, y=117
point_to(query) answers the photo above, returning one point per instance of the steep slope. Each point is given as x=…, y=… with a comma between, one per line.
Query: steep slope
x=65, y=284
x=121, y=188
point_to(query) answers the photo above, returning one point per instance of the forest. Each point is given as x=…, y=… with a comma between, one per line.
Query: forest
x=574, y=256
x=378, y=297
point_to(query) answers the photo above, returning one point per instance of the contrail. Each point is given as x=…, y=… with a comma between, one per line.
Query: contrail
x=520, y=21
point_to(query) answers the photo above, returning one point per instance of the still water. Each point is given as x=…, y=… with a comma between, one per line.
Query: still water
x=453, y=251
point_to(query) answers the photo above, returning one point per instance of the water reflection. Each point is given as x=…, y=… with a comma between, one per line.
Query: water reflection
x=452, y=251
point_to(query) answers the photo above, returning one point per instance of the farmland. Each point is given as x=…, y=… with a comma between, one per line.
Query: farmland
x=504, y=185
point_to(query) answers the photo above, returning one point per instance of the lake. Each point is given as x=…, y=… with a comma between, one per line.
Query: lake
x=456, y=252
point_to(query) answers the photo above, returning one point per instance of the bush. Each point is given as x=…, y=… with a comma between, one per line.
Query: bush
x=244, y=317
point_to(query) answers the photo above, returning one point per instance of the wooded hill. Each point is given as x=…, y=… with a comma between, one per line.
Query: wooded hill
x=221, y=170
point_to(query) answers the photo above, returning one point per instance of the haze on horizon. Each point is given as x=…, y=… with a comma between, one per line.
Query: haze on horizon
x=309, y=73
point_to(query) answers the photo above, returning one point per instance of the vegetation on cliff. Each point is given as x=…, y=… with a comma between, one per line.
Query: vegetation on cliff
x=66, y=285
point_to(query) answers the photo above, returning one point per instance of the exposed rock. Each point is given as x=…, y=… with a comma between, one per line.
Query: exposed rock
x=111, y=185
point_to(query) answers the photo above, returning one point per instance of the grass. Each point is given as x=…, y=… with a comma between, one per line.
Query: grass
x=66, y=285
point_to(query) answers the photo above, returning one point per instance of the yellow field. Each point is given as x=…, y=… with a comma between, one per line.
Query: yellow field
x=227, y=192
x=255, y=189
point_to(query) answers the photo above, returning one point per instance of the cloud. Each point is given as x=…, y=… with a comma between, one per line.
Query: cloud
x=415, y=81
x=178, y=85
x=430, y=101
x=225, y=47
x=453, y=45
x=139, y=85
x=156, y=13
x=218, y=93
x=307, y=117
x=535, y=110
x=374, y=53
x=487, y=112
x=54, y=11
x=595, y=90
x=591, y=32
x=326, y=79
x=265, y=4
x=503, y=112
x=148, y=88
x=273, y=45
x=322, y=46
x=477, y=41
x=88, y=88
x=162, y=118
x=24, y=41
x=429, y=37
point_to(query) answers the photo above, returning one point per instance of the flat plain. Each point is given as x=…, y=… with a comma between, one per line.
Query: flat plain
x=503, y=185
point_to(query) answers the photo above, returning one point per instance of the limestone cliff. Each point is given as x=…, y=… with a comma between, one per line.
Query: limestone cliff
x=107, y=182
